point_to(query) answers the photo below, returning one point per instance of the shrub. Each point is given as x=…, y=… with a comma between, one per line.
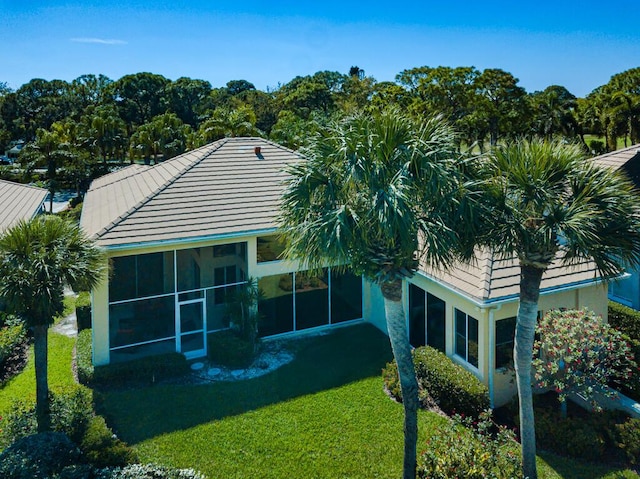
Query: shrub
x=39, y=456
x=84, y=362
x=628, y=439
x=147, y=471
x=453, y=388
x=625, y=320
x=10, y=338
x=578, y=352
x=102, y=448
x=83, y=311
x=144, y=370
x=568, y=436
x=229, y=349
x=71, y=411
x=461, y=448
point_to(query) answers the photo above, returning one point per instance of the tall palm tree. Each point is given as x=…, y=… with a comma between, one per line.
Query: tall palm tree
x=38, y=259
x=374, y=195
x=545, y=203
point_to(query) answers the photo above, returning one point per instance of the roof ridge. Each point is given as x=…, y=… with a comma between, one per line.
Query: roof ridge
x=487, y=268
x=162, y=187
x=141, y=169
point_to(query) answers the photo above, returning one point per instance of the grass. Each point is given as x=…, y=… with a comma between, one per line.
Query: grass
x=323, y=416
x=23, y=386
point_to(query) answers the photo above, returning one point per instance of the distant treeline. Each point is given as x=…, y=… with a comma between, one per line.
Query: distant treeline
x=82, y=126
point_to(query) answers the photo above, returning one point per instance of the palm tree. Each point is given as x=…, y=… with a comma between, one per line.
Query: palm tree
x=373, y=195
x=545, y=203
x=38, y=259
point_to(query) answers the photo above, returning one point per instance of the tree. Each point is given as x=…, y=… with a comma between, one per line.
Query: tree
x=501, y=102
x=165, y=135
x=545, y=203
x=139, y=97
x=553, y=110
x=374, y=197
x=52, y=149
x=579, y=353
x=189, y=99
x=37, y=104
x=103, y=133
x=225, y=122
x=38, y=259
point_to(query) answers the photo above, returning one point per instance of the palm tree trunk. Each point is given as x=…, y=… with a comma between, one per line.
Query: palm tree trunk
x=530, y=278
x=42, y=384
x=392, y=293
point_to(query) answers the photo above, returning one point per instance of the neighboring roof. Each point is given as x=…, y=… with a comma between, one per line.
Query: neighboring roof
x=220, y=188
x=617, y=159
x=626, y=159
x=491, y=279
x=19, y=202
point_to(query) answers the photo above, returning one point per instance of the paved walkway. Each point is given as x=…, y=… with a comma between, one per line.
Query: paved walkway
x=69, y=325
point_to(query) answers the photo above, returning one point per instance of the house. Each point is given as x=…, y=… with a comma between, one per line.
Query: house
x=182, y=234
x=625, y=290
x=19, y=202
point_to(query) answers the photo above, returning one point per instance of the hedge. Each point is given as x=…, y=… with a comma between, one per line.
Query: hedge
x=453, y=388
x=146, y=370
x=627, y=321
x=84, y=361
x=83, y=311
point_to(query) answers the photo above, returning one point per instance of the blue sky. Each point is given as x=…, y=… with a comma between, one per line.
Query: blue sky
x=577, y=44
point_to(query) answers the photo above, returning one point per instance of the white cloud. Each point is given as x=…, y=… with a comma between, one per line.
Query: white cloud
x=101, y=41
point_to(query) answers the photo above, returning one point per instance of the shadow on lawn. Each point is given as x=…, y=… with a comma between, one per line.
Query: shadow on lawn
x=322, y=362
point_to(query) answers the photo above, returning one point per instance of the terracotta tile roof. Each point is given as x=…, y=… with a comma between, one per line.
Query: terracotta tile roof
x=220, y=188
x=19, y=202
x=490, y=278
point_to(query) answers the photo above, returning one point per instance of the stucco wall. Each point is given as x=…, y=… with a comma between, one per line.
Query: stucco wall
x=500, y=382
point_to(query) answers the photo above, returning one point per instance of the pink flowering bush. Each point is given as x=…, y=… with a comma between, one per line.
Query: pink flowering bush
x=577, y=352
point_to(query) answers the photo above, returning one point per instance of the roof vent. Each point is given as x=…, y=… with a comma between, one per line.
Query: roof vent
x=257, y=150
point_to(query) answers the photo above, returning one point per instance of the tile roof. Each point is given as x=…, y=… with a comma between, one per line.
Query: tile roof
x=19, y=202
x=220, y=188
x=490, y=278
x=617, y=159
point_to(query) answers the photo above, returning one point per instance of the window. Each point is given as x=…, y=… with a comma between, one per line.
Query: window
x=346, y=297
x=505, y=330
x=141, y=276
x=466, y=337
x=270, y=248
x=426, y=319
x=302, y=300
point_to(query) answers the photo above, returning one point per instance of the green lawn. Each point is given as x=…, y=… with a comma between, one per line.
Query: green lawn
x=23, y=386
x=322, y=416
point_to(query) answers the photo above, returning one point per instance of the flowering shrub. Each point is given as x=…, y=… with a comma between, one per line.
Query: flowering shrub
x=469, y=449
x=578, y=352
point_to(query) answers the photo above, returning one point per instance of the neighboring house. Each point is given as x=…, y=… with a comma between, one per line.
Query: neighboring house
x=19, y=202
x=182, y=234
x=627, y=289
